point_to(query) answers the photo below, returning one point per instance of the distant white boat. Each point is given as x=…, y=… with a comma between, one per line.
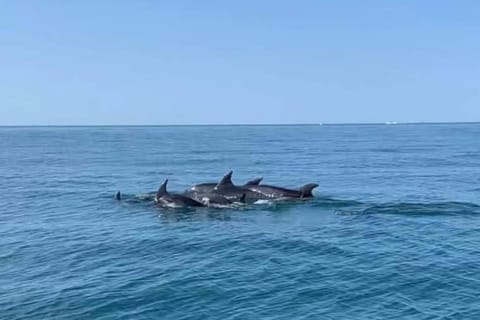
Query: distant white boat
x=391, y=122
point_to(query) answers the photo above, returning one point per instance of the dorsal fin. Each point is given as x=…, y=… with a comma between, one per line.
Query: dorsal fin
x=243, y=197
x=225, y=182
x=254, y=182
x=162, y=190
x=118, y=196
x=307, y=189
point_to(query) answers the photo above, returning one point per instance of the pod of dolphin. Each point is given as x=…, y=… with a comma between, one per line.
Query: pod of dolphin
x=225, y=193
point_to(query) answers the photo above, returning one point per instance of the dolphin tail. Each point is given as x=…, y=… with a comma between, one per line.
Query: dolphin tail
x=118, y=196
x=307, y=189
x=226, y=181
x=254, y=182
x=162, y=190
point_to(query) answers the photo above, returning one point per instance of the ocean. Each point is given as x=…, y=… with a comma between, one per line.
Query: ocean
x=393, y=231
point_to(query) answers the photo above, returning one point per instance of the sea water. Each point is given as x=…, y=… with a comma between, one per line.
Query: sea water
x=393, y=230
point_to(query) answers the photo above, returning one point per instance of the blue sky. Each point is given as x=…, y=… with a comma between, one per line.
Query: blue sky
x=204, y=62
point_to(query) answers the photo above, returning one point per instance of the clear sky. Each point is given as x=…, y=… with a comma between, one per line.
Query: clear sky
x=203, y=62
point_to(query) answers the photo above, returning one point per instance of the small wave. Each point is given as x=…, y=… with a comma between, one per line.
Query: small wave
x=260, y=202
x=233, y=205
x=404, y=208
x=328, y=202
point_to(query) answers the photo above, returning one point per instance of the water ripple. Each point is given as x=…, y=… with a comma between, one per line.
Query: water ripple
x=392, y=233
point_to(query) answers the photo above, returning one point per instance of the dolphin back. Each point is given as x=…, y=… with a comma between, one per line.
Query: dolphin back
x=307, y=189
x=254, y=182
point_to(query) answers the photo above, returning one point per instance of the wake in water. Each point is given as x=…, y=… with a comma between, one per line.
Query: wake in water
x=338, y=206
x=405, y=208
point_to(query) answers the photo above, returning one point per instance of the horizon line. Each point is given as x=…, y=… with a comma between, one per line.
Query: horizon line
x=242, y=124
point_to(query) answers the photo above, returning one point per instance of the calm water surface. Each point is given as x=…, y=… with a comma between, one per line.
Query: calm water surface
x=394, y=230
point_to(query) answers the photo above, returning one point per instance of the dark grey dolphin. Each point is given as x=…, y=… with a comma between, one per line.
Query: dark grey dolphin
x=212, y=199
x=166, y=199
x=205, y=193
x=210, y=186
x=235, y=193
x=273, y=192
x=254, y=182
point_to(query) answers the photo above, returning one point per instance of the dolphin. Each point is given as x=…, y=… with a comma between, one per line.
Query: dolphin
x=273, y=192
x=205, y=193
x=166, y=199
x=218, y=200
x=196, y=192
x=213, y=199
x=254, y=182
x=210, y=186
x=235, y=193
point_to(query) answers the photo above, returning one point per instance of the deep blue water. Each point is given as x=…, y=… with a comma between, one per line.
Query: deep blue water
x=394, y=230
